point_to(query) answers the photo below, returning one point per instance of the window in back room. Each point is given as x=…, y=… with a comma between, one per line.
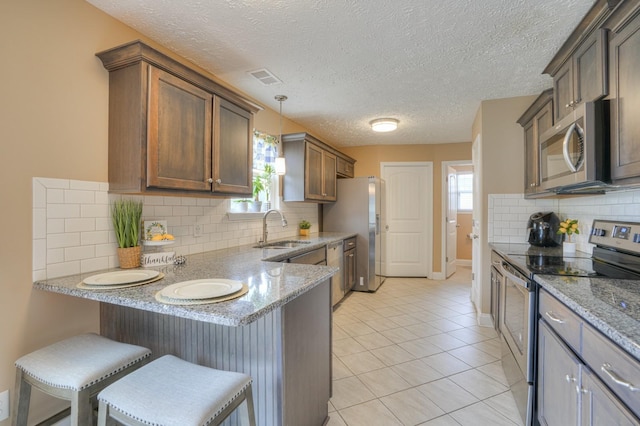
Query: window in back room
x=465, y=192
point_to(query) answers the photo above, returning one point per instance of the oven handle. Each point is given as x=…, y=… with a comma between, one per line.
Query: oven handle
x=524, y=283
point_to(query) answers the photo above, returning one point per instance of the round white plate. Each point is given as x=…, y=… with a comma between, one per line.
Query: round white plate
x=121, y=277
x=201, y=289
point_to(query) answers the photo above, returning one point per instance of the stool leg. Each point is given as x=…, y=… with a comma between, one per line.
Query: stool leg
x=248, y=399
x=81, y=409
x=102, y=413
x=21, y=400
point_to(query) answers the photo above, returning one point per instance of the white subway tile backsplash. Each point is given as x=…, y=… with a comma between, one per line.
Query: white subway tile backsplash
x=73, y=233
x=79, y=225
x=613, y=206
x=79, y=197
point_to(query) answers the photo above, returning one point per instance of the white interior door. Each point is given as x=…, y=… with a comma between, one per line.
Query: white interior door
x=476, y=265
x=409, y=221
x=452, y=221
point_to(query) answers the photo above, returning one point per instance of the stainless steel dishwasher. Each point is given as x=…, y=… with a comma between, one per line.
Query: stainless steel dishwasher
x=335, y=258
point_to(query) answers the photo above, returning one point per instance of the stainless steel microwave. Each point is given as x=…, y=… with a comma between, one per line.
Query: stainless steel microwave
x=574, y=153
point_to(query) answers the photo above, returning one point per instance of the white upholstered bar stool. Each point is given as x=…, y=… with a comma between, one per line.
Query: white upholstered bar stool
x=172, y=392
x=74, y=369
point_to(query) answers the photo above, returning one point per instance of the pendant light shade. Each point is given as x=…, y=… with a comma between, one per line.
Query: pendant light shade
x=384, y=124
x=281, y=167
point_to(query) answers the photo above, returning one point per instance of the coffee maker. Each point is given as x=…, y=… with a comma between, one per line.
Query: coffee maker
x=542, y=228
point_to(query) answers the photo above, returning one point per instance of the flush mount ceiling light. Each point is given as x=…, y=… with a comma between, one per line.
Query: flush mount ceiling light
x=384, y=124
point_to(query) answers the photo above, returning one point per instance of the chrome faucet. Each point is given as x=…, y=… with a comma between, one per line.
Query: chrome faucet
x=264, y=223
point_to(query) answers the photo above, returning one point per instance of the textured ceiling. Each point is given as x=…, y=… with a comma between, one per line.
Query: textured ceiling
x=344, y=63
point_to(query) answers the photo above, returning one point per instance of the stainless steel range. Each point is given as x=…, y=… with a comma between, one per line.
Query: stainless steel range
x=616, y=255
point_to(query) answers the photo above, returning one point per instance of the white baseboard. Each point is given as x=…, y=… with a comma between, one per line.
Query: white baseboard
x=463, y=262
x=485, y=320
x=438, y=276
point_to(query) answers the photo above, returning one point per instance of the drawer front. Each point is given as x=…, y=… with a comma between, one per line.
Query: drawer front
x=614, y=367
x=562, y=320
x=349, y=243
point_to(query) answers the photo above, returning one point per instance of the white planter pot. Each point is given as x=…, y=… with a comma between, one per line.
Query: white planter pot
x=568, y=248
x=255, y=206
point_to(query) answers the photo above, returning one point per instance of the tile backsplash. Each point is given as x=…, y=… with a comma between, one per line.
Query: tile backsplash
x=508, y=213
x=72, y=230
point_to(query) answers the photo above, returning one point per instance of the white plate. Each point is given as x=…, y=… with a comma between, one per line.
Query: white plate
x=121, y=277
x=201, y=289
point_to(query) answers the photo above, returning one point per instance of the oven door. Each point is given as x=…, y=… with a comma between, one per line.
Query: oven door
x=517, y=322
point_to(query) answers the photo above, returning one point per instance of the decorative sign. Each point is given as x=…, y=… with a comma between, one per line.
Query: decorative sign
x=153, y=227
x=157, y=259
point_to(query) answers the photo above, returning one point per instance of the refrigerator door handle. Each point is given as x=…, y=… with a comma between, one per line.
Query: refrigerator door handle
x=377, y=223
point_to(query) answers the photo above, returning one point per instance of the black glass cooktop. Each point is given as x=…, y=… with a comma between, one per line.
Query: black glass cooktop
x=571, y=266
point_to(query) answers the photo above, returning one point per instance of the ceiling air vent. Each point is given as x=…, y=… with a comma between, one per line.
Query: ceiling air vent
x=265, y=77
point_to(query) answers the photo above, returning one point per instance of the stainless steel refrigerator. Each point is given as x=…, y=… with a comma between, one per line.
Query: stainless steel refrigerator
x=360, y=209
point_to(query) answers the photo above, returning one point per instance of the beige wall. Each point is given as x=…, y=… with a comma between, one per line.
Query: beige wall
x=53, y=123
x=501, y=168
x=368, y=164
x=463, y=242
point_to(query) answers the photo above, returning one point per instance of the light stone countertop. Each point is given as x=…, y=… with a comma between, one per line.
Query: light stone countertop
x=271, y=283
x=611, y=306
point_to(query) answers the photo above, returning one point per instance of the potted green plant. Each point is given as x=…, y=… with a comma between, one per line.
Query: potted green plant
x=126, y=215
x=258, y=187
x=304, y=227
x=243, y=204
x=267, y=176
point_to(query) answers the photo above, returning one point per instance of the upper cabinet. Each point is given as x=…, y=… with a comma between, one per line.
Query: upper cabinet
x=536, y=120
x=312, y=169
x=171, y=129
x=624, y=59
x=583, y=76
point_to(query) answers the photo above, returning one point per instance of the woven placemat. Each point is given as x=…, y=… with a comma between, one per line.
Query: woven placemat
x=84, y=286
x=188, y=302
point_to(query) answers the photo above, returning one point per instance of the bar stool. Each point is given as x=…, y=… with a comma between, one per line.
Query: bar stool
x=74, y=369
x=172, y=392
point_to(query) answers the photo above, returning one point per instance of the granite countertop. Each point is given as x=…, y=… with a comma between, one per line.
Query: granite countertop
x=271, y=283
x=611, y=306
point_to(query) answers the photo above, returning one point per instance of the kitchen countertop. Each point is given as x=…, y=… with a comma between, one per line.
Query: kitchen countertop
x=271, y=283
x=612, y=306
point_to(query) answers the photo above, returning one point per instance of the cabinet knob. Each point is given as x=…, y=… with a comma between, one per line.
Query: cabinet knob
x=210, y=180
x=570, y=378
x=219, y=181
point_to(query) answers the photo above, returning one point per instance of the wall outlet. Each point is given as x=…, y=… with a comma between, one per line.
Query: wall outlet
x=197, y=230
x=4, y=405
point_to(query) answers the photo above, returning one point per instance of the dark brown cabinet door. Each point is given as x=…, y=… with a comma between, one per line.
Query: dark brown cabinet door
x=329, y=169
x=233, y=148
x=584, y=76
x=624, y=51
x=535, y=121
x=178, y=133
x=313, y=178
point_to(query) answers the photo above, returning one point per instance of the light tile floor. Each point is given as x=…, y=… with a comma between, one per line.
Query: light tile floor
x=412, y=354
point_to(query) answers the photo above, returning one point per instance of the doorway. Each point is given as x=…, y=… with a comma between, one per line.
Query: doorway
x=408, y=225
x=456, y=247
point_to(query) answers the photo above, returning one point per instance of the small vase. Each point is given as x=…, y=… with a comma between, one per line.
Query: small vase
x=304, y=232
x=129, y=257
x=568, y=248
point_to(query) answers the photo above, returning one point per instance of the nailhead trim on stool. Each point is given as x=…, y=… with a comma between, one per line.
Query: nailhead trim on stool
x=172, y=392
x=75, y=369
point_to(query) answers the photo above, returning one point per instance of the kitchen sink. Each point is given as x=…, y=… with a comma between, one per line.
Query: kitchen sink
x=282, y=244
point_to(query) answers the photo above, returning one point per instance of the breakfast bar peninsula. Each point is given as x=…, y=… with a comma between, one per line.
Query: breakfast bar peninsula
x=278, y=332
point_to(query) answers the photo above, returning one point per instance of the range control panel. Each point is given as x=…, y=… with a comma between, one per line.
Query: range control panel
x=618, y=235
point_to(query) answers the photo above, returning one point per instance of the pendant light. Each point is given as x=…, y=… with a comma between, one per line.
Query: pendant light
x=281, y=167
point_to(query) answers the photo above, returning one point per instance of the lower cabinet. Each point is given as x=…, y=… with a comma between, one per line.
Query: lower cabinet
x=349, y=264
x=570, y=389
